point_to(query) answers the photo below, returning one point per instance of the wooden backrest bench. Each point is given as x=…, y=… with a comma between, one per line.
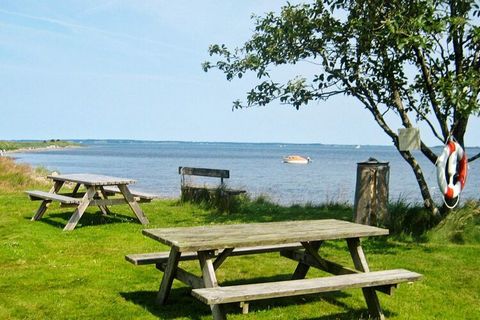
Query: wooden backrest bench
x=211, y=173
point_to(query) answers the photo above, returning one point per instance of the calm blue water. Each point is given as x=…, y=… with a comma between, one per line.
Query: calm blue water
x=255, y=167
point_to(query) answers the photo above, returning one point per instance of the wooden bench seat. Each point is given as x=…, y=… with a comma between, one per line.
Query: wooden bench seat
x=142, y=196
x=260, y=291
x=162, y=257
x=43, y=195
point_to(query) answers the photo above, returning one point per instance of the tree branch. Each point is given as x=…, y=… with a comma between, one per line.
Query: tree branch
x=475, y=157
x=431, y=92
x=429, y=123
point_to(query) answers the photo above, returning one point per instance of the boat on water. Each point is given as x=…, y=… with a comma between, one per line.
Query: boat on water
x=295, y=159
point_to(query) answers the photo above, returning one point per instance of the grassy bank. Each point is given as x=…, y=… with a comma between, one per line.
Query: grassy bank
x=25, y=145
x=46, y=273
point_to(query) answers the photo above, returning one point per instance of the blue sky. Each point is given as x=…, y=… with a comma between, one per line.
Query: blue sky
x=131, y=69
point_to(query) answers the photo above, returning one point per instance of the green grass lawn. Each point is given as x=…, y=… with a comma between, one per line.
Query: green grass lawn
x=46, y=273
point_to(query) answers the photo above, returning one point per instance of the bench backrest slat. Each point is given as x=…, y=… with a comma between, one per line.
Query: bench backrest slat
x=204, y=172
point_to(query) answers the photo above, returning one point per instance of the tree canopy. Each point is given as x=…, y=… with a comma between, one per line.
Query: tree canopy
x=417, y=59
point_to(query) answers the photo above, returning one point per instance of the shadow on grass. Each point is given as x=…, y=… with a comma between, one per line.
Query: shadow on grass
x=59, y=220
x=182, y=304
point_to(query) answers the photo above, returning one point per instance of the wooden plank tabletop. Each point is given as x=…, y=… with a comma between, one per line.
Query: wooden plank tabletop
x=91, y=179
x=213, y=237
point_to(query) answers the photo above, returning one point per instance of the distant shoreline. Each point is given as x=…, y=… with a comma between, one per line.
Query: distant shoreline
x=81, y=142
x=35, y=149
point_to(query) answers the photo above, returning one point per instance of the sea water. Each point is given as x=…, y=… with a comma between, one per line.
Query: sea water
x=255, y=167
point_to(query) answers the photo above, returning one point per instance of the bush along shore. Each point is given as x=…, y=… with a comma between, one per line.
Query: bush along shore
x=46, y=273
x=21, y=146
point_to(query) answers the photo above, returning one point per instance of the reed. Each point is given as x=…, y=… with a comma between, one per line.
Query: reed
x=18, y=177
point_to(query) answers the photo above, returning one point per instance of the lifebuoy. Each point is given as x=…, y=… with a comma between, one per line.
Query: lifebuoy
x=452, y=170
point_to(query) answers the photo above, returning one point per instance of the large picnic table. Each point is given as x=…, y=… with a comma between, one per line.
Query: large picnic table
x=297, y=240
x=98, y=190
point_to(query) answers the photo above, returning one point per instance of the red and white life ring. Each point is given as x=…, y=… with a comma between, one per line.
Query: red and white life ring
x=452, y=170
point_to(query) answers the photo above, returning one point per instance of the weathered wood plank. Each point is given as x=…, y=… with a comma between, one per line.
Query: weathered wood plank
x=133, y=204
x=91, y=179
x=102, y=194
x=107, y=202
x=220, y=258
x=204, y=172
x=260, y=291
x=302, y=268
x=360, y=262
x=188, y=239
x=160, y=257
x=45, y=203
x=328, y=266
x=43, y=195
x=80, y=209
x=228, y=191
x=184, y=276
x=168, y=276
x=138, y=194
x=210, y=281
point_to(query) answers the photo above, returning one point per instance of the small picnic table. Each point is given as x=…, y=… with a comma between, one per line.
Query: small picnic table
x=98, y=189
x=213, y=244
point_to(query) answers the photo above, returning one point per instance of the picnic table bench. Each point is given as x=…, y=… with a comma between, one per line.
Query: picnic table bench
x=98, y=190
x=296, y=240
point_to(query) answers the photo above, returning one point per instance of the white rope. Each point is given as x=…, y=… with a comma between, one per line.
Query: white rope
x=451, y=207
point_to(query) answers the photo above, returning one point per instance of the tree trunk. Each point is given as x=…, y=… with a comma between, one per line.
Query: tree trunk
x=417, y=170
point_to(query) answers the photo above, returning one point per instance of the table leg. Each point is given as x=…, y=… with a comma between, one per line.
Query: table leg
x=132, y=203
x=210, y=280
x=302, y=268
x=102, y=194
x=44, y=205
x=75, y=190
x=360, y=262
x=89, y=195
x=222, y=257
x=168, y=276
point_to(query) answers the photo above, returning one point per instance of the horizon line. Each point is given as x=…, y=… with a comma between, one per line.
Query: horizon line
x=229, y=142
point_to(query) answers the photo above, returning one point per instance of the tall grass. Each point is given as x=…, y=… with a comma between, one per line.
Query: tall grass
x=462, y=226
x=17, y=177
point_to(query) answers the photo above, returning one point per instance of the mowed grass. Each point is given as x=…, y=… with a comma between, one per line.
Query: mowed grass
x=47, y=273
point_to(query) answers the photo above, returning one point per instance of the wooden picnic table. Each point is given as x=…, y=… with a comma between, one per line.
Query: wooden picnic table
x=213, y=244
x=98, y=189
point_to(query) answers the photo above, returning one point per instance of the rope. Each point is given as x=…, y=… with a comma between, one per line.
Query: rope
x=451, y=207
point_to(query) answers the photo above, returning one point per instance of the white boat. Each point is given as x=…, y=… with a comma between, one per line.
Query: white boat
x=295, y=159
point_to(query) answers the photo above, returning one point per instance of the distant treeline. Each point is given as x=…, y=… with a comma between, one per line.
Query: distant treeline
x=15, y=145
